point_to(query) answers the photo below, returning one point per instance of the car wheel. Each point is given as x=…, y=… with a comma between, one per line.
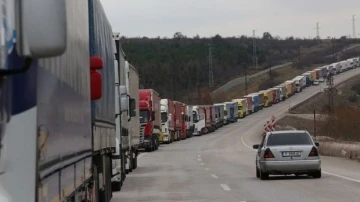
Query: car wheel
x=317, y=174
x=257, y=173
x=263, y=175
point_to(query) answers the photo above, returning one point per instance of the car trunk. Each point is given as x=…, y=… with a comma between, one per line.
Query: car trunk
x=285, y=153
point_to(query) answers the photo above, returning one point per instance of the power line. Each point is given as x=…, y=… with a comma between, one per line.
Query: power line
x=254, y=51
x=353, y=26
x=211, y=71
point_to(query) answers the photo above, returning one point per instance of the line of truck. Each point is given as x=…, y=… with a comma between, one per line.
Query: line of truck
x=73, y=119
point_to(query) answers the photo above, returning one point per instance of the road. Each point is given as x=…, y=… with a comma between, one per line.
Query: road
x=220, y=167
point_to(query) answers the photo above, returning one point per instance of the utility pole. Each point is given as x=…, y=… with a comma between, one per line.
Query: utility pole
x=317, y=31
x=331, y=91
x=254, y=51
x=246, y=79
x=333, y=48
x=211, y=73
x=353, y=26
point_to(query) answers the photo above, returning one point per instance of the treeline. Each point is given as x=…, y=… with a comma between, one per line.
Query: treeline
x=178, y=67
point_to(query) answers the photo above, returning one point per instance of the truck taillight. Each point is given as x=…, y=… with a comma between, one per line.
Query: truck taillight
x=148, y=129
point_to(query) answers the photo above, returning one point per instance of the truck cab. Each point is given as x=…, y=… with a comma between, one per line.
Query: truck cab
x=198, y=114
x=242, y=107
x=167, y=120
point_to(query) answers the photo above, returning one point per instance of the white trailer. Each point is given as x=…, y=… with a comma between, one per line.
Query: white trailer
x=133, y=116
x=198, y=115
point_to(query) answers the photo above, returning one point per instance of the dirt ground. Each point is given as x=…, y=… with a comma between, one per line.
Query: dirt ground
x=328, y=146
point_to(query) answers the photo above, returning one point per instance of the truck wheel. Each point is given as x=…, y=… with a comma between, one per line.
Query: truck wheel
x=135, y=160
x=131, y=161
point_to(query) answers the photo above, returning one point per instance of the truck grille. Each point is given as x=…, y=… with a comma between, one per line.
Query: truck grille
x=142, y=128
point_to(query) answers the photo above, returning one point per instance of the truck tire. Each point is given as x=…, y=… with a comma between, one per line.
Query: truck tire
x=135, y=160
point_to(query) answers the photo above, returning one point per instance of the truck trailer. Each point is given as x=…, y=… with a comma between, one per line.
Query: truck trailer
x=167, y=120
x=149, y=115
x=189, y=121
x=198, y=114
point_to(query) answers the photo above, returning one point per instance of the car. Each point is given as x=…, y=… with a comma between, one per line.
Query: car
x=321, y=79
x=287, y=152
x=316, y=82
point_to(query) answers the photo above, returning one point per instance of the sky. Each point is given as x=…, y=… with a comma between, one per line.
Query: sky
x=298, y=18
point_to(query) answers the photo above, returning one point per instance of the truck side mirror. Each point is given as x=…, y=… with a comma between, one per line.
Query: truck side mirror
x=152, y=115
x=96, y=63
x=124, y=102
x=41, y=34
x=132, y=104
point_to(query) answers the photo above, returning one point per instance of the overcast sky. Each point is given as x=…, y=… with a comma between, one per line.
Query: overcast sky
x=297, y=18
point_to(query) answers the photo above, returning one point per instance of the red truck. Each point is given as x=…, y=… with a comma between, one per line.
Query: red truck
x=250, y=104
x=183, y=122
x=178, y=120
x=150, y=118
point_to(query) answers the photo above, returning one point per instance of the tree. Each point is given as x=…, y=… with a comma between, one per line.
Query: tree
x=179, y=35
x=267, y=35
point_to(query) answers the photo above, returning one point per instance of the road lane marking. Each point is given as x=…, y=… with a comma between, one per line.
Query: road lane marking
x=214, y=176
x=342, y=177
x=202, y=164
x=141, y=155
x=199, y=155
x=199, y=159
x=207, y=169
x=225, y=187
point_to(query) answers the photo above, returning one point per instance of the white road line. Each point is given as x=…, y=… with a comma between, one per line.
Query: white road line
x=207, y=169
x=202, y=164
x=199, y=159
x=199, y=155
x=214, y=176
x=242, y=139
x=225, y=187
x=342, y=177
x=141, y=155
x=242, y=201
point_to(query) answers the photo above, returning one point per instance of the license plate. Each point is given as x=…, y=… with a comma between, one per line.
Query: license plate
x=291, y=154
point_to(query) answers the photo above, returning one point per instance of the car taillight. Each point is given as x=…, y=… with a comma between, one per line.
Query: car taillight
x=148, y=129
x=268, y=154
x=313, y=152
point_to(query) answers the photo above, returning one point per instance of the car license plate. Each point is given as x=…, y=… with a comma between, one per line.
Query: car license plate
x=291, y=154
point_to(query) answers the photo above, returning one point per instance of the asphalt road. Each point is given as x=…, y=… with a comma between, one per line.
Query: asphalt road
x=220, y=167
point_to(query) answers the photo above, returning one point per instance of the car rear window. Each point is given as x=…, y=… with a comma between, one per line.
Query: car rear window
x=289, y=139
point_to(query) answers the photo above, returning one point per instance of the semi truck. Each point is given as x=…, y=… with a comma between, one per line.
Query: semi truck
x=250, y=104
x=213, y=117
x=178, y=120
x=190, y=121
x=236, y=115
x=38, y=166
x=149, y=115
x=242, y=107
x=198, y=114
x=230, y=112
x=208, y=119
x=183, y=135
x=167, y=120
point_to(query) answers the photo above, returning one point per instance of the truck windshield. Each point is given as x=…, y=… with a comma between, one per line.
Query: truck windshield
x=240, y=107
x=144, y=116
x=163, y=117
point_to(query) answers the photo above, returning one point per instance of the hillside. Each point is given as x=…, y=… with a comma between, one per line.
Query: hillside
x=178, y=67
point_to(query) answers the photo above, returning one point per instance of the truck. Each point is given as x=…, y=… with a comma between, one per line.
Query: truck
x=183, y=122
x=226, y=106
x=342, y=66
x=298, y=84
x=167, y=120
x=67, y=139
x=213, y=117
x=230, y=112
x=276, y=94
x=261, y=100
x=178, y=120
x=208, y=119
x=250, y=104
x=256, y=101
x=150, y=119
x=219, y=116
x=288, y=89
x=292, y=86
x=308, y=78
x=236, y=107
x=198, y=113
x=190, y=121
x=242, y=107
x=132, y=85
x=282, y=89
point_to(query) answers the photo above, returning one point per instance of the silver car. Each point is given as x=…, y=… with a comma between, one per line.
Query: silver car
x=287, y=152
